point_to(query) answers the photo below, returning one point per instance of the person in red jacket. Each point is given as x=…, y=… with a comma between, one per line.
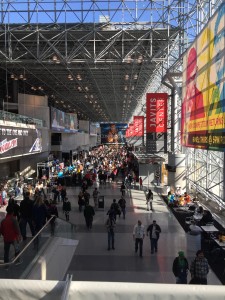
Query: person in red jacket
x=10, y=230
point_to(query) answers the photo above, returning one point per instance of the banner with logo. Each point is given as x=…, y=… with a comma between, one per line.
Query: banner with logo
x=156, y=112
x=19, y=141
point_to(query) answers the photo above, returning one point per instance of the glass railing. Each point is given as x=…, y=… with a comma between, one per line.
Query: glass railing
x=11, y=119
x=32, y=248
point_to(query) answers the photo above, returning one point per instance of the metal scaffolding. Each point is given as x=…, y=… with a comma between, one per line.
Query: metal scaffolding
x=99, y=58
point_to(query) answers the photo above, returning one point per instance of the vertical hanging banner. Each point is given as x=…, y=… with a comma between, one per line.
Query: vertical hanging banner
x=131, y=130
x=156, y=112
x=138, y=122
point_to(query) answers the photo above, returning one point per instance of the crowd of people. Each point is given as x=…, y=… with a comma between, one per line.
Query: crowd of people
x=106, y=165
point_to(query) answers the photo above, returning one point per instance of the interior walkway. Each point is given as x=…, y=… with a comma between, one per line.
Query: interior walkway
x=92, y=261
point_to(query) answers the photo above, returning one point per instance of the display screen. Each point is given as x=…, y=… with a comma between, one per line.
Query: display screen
x=113, y=133
x=203, y=91
x=63, y=122
x=19, y=141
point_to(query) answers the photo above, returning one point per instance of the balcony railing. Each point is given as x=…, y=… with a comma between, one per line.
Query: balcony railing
x=11, y=119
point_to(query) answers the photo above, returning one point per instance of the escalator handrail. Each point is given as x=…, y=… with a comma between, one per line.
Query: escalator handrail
x=30, y=242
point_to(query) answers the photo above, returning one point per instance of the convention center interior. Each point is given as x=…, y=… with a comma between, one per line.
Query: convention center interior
x=112, y=142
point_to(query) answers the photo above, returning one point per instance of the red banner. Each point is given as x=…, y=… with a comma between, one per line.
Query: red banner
x=130, y=130
x=138, y=125
x=156, y=112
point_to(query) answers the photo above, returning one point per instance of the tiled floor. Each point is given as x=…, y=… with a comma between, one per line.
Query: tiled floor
x=92, y=261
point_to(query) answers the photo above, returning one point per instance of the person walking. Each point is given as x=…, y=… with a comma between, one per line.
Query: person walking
x=88, y=215
x=149, y=199
x=199, y=269
x=110, y=225
x=180, y=268
x=67, y=208
x=154, y=231
x=138, y=236
x=122, y=204
x=10, y=230
x=115, y=208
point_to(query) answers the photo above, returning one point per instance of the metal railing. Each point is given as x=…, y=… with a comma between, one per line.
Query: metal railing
x=11, y=119
x=27, y=246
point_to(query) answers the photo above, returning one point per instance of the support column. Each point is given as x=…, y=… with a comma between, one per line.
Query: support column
x=176, y=171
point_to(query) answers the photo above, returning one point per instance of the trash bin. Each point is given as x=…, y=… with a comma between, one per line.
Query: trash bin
x=101, y=201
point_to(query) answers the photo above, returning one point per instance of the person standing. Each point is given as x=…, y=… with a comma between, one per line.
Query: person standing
x=123, y=189
x=88, y=215
x=154, y=231
x=67, y=208
x=95, y=197
x=138, y=236
x=52, y=211
x=140, y=183
x=10, y=230
x=180, y=268
x=199, y=269
x=26, y=216
x=80, y=200
x=110, y=225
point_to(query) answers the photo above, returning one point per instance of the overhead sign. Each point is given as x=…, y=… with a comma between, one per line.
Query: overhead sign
x=156, y=112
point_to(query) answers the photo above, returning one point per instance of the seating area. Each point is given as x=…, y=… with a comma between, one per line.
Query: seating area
x=198, y=221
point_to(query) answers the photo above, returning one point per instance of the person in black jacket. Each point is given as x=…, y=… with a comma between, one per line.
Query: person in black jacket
x=67, y=208
x=180, y=268
x=154, y=231
x=88, y=215
x=26, y=213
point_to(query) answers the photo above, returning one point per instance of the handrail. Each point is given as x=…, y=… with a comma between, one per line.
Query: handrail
x=25, y=248
x=67, y=287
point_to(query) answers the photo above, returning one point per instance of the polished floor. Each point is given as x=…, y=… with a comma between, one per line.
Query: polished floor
x=93, y=262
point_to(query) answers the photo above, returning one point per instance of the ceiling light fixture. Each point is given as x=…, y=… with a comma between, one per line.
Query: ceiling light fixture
x=54, y=58
x=140, y=59
x=129, y=59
